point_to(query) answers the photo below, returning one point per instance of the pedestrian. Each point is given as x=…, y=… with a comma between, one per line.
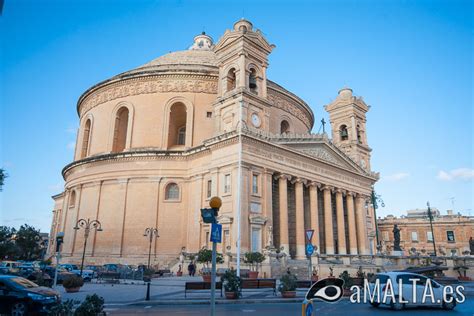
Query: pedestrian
x=193, y=268
x=190, y=268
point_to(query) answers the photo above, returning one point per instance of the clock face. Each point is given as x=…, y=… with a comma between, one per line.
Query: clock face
x=256, y=120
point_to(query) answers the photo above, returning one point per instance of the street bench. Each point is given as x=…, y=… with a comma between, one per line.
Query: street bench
x=196, y=286
x=108, y=277
x=254, y=284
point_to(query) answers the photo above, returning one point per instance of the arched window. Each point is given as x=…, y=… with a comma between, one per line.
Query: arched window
x=253, y=80
x=343, y=132
x=284, y=127
x=182, y=136
x=172, y=192
x=85, y=139
x=72, y=199
x=177, y=125
x=231, y=79
x=120, y=130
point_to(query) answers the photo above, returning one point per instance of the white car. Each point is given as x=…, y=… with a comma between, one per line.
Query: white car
x=87, y=275
x=415, y=290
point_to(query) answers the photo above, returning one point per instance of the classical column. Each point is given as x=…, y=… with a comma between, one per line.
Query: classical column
x=300, y=233
x=329, y=236
x=283, y=204
x=313, y=207
x=268, y=207
x=361, y=225
x=341, y=230
x=351, y=223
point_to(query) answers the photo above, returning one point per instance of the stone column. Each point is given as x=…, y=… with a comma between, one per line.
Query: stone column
x=268, y=207
x=283, y=192
x=329, y=236
x=351, y=223
x=313, y=207
x=361, y=225
x=300, y=233
x=341, y=230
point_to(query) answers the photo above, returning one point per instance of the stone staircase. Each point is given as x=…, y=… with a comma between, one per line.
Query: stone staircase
x=296, y=267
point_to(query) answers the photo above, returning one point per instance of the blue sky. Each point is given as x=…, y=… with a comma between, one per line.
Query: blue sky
x=410, y=60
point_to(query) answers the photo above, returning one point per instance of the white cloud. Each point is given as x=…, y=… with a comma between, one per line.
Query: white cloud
x=71, y=145
x=456, y=174
x=397, y=176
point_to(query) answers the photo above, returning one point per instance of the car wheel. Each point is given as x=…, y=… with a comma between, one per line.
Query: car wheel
x=19, y=309
x=397, y=306
x=451, y=305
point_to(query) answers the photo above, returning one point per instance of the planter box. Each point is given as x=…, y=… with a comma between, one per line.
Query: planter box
x=253, y=274
x=231, y=295
x=346, y=292
x=314, y=278
x=179, y=273
x=288, y=294
x=72, y=289
x=358, y=281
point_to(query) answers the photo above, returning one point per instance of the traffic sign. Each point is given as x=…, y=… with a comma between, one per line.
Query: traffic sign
x=216, y=233
x=309, y=234
x=309, y=249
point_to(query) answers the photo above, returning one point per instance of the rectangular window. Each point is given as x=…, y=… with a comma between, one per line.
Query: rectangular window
x=226, y=241
x=256, y=239
x=209, y=188
x=450, y=235
x=255, y=189
x=429, y=236
x=227, y=183
x=414, y=236
x=208, y=114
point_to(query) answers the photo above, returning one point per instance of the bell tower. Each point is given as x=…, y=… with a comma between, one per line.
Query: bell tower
x=242, y=54
x=347, y=115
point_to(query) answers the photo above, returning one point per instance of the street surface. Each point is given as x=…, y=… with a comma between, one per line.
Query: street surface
x=343, y=307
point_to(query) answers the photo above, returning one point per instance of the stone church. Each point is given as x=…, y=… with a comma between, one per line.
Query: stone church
x=157, y=142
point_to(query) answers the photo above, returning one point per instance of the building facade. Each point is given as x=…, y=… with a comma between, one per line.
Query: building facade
x=157, y=142
x=451, y=233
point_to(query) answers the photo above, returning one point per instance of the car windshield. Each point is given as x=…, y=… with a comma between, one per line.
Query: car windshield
x=22, y=283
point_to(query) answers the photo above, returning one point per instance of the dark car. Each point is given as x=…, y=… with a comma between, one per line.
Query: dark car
x=19, y=296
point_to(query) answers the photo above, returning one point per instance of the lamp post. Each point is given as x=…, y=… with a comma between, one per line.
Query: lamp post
x=430, y=216
x=151, y=233
x=376, y=198
x=87, y=225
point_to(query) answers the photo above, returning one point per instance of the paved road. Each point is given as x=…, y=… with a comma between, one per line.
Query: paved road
x=284, y=309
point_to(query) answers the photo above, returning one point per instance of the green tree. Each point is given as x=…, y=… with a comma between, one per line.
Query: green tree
x=7, y=245
x=3, y=176
x=28, y=242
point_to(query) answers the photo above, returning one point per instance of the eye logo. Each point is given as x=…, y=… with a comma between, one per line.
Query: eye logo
x=329, y=290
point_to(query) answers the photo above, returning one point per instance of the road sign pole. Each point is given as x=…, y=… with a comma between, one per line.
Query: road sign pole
x=310, y=268
x=213, y=280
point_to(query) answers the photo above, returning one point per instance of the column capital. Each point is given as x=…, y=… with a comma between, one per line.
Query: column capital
x=314, y=184
x=282, y=176
x=327, y=187
x=350, y=193
x=339, y=190
x=300, y=180
x=268, y=171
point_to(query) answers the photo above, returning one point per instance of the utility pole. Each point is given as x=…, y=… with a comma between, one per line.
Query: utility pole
x=59, y=241
x=150, y=232
x=430, y=216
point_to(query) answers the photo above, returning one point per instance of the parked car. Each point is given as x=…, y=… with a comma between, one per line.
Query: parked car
x=9, y=267
x=87, y=275
x=69, y=266
x=19, y=296
x=28, y=267
x=407, y=290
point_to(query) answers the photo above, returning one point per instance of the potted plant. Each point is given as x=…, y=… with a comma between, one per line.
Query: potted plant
x=253, y=259
x=359, y=279
x=204, y=256
x=232, y=284
x=73, y=283
x=346, y=277
x=287, y=286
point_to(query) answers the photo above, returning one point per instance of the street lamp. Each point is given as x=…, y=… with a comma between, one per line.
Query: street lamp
x=376, y=198
x=430, y=216
x=150, y=233
x=87, y=225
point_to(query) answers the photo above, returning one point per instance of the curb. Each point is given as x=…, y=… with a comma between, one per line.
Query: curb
x=218, y=302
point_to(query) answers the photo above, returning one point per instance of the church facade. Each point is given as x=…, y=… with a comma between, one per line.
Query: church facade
x=157, y=142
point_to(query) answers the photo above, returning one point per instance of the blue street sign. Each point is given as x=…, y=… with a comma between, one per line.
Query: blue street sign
x=216, y=233
x=309, y=249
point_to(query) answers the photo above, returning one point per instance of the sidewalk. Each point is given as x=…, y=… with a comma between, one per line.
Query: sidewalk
x=170, y=291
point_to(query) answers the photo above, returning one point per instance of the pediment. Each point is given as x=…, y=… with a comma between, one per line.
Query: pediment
x=325, y=152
